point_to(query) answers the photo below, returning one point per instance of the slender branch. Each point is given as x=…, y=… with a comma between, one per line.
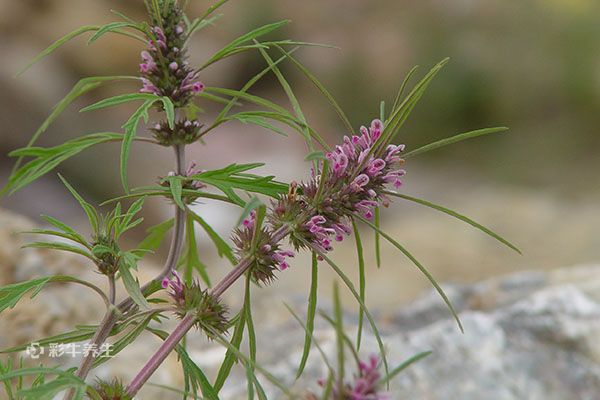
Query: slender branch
x=112, y=292
x=111, y=316
x=161, y=354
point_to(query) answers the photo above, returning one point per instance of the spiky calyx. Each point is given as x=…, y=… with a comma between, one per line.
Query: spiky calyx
x=210, y=313
x=106, y=253
x=184, y=132
x=113, y=390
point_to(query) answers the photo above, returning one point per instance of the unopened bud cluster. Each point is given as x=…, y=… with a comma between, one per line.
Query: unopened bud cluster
x=106, y=255
x=184, y=132
x=113, y=390
x=210, y=313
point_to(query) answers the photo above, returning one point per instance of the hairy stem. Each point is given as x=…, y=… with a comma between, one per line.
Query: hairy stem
x=112, y=291
x=161, y=354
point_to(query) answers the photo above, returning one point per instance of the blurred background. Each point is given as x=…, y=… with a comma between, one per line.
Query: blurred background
x=533, y=66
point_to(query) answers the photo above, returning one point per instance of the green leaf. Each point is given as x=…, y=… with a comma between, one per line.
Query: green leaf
x=46, y=391
x=362, y=281
x=133, y=287
x=231, y=356
x=124, y=340
x=321, y=88
x=130, y=132
x=176, y=189
x=90, y=211
x=77, y=32
x=83, y=86
x=61, y=247
x=421, y=268
x=350, y=286
x=235, y=177
x=339, y=331
x=120, y=99
x=251, y=205
x=251, y=334
x=310, y=315
x=78, y=335
x=377, y=238
x=46, y=159
x=313, y=340
x=113, y=26
x=169, y=110
x=315, y=155
x=232, y=47
x=457, y=216
x=453, y=139
x=11, y=294
x=238, y=354
x=191, y=258
x=64, y=227
x=404, y=365
x=155, y=235
x=223, y=249
x=251, y=118
x=400, y=114
x=290, y=94
x=401, y=90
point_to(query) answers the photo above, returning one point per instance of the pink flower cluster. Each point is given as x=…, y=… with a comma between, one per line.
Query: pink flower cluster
x=174, y=285
x=365, y=385
x=165, y=69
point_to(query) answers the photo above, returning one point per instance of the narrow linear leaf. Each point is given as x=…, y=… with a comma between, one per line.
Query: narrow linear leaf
x=352, y=289
x=393, y=373
x=423, y=270
x=362, y=281
x=454, y=139
x=310, y=315
x=321, y=88
x=457, y=216
x=57, y=44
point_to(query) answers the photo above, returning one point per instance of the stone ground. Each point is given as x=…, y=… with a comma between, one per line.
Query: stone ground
x=516, y=326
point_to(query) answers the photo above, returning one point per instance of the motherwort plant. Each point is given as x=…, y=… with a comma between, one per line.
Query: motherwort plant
x=348, y=185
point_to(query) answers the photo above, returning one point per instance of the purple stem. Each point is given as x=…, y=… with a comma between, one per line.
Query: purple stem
x=161, y=354
x=110, y=318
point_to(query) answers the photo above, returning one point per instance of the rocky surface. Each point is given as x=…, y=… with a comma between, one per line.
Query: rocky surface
x=527, y=335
